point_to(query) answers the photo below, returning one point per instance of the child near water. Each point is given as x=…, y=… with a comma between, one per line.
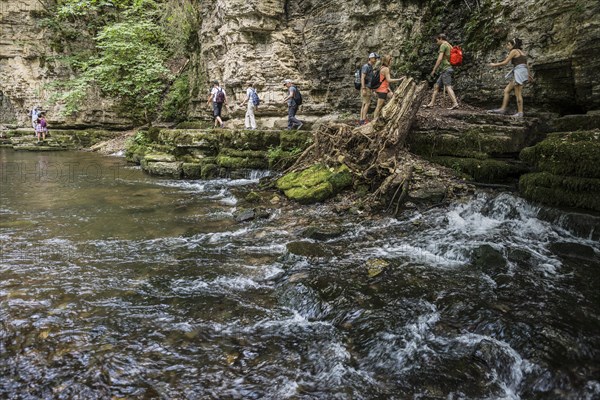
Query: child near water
x=41, y=128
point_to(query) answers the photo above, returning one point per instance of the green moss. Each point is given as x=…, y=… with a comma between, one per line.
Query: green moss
x=194, y=125
x=175, y=106
x=471, y=144
x=243, y=153
x=191, y=170
x=315, y=184
x=569, y=154
x=135, y=152
x=252, y=197
x=241, y=162
x=309, y=195
x=294, y=139
x=209, y=171
x=562, y=191
x=486, y=171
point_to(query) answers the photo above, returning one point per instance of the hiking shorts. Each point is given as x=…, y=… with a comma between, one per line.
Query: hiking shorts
x=445, y=78
x=366, y=98
x=217, y=107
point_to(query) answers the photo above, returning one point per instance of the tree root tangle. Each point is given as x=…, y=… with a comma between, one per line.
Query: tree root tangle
x=374, y=152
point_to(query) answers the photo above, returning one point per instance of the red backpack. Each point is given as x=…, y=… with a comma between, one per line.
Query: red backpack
x=456, y=56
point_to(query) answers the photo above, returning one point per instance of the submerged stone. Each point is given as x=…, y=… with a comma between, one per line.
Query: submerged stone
x=307, y=249
x=375, y=266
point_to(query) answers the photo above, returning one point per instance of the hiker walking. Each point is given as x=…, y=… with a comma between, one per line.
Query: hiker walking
x=218, y=98
x=520, y=74
x=365, y=91
x=445, y=79
x=252, y=100
x=384, y=90
x=293, y=102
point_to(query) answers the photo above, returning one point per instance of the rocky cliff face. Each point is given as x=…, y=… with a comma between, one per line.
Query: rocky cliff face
x=320, y=43
x=22, y=60
x=28, y=67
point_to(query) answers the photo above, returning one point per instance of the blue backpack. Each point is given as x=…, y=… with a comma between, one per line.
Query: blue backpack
x=254, y=97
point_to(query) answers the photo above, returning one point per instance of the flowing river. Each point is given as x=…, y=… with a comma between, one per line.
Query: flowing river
x=114, y=284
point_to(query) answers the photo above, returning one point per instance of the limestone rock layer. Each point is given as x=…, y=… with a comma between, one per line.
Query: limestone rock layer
x=320, y=43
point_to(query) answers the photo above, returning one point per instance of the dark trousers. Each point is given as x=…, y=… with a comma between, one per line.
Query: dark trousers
x=292, y=120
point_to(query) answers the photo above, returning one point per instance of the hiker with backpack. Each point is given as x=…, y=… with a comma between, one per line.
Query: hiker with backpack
x=445, y=68
x=366, y=74
x=294, y=100
x=218, y=97
x=253, y=101
x=383, y=91
x=520, y=75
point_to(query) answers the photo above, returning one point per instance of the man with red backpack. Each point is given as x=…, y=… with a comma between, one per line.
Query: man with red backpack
x=218, y=98
x=445, y=67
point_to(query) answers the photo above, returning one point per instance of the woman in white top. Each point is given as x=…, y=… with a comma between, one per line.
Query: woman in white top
x=250, y=120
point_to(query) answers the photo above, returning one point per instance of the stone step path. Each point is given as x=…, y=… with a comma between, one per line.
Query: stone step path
x=484, y=147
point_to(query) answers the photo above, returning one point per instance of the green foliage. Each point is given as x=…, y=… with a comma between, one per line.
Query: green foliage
x=176, y=102
x=120, y=50
x=131, y=66
x=70, y=94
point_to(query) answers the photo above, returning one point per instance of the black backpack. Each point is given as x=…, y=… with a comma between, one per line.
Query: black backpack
x=357, y=83
x=372, y=79
x=298, y=97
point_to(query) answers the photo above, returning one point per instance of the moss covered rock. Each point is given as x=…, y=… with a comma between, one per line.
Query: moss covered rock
x=241, y=162
x=474, y=143
x=568, y=154
x=294, y=139
x=209, y=171
x=248, y=139
x=191, y=170
x=485, y=171
x=565, y=191
x=315, y=184
x=161, y=168
x=195, y=125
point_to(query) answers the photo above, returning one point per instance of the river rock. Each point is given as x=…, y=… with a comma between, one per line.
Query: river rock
x=308, y=249
x=376, y=266
x=322, y=233
x=573, y=250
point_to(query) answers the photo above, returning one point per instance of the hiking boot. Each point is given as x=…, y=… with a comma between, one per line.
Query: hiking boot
x=497, y=111
x=299, y=126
